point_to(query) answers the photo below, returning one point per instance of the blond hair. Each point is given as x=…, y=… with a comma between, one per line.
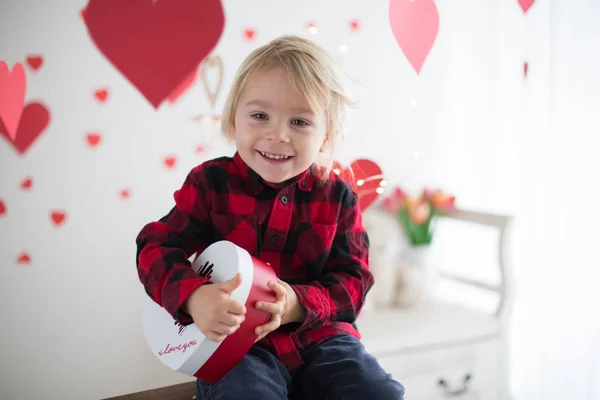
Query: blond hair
x=313, y=73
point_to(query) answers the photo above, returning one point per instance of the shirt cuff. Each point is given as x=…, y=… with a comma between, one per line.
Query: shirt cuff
x=176, y=294
x=315, y=304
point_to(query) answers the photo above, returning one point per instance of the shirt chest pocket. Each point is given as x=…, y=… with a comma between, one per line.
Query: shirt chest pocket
x=313, y=246
x=238, y=229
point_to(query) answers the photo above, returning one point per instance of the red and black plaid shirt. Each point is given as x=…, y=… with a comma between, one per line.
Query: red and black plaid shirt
x=309, y=230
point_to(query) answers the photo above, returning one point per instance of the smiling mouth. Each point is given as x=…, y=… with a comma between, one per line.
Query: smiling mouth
x=273, y=156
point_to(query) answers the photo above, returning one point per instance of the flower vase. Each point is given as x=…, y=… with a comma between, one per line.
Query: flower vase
x=418, y=277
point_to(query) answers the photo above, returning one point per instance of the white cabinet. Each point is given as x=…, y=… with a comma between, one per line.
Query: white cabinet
x=442, y=350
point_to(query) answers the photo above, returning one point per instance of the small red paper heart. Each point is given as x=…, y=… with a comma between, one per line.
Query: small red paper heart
x=525, y=69
x=155, y=44
x=249, y=34
x=216, y=118
x=58, y=217
x=27, y=183
x=35, y=62
x=199, y=149
x=13, y=85
x=2, y=208
x=366, y=179
x=24, y=258
x=93, y=139
x=354, y=25
x=34, y=120
x=101, y=95
x=170, y=161
x=125, y=193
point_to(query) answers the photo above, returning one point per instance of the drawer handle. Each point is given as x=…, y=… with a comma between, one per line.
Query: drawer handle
x=448, y=392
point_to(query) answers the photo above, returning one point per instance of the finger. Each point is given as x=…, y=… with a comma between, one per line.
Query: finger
x=232, y=319
x=215, y=337
x=278, y=289
x=273, y=308
x=235, y=307
x=223, y=329
x=270, y=326
x=232, y=284
x=259, y=338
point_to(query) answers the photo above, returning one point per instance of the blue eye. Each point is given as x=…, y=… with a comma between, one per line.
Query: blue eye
x=299, y=122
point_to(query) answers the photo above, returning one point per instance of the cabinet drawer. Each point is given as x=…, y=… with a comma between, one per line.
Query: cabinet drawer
x=462, y=372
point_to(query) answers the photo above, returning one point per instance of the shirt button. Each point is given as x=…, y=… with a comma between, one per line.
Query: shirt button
x=274, y=239
x=284, y=200
x=304, y=184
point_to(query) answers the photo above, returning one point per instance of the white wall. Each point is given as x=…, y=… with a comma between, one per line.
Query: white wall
x=71, y=321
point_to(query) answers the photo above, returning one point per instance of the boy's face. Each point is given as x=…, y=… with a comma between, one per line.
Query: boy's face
x=276, y=132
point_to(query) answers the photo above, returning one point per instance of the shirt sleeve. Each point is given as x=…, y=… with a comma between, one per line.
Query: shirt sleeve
x=165, y=246
x=339, y=293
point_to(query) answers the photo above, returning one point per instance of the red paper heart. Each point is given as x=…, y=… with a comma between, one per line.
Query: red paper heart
x=35, y=62
x=101, y=95
x=354, y=25
x=415, y=26
x=12, y=97
x=170, y=161
x=58, y=217
x=125, y=193
x=525, y=69
x=200, y=149
x=27, y=183
x=155, y=44
x=24, y=258
x=366, y=179
x=184, y=85
x=2, y=208
x=34, y=120
x=526, y=4
x=93, y=139
x=249, y=34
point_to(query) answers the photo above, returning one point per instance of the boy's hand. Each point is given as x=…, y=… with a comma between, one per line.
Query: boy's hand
x=284, y=310
x=214, y=311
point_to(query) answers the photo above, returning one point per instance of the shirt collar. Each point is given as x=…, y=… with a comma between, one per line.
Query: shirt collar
x=255, y=184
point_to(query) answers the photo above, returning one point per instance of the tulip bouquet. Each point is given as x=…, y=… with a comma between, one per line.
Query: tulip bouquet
x=417, y=214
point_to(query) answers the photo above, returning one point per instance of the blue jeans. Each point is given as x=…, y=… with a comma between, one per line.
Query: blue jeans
x=337, y=369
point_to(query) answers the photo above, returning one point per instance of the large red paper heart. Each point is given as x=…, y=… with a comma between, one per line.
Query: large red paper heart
x=155, y=44
x=366, y=179
x=12, y=97
x=415, y=26
x=34, y=120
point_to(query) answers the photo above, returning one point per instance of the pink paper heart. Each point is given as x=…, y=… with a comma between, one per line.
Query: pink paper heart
x=12, y=97
x=415, y=25
x=526, y=4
